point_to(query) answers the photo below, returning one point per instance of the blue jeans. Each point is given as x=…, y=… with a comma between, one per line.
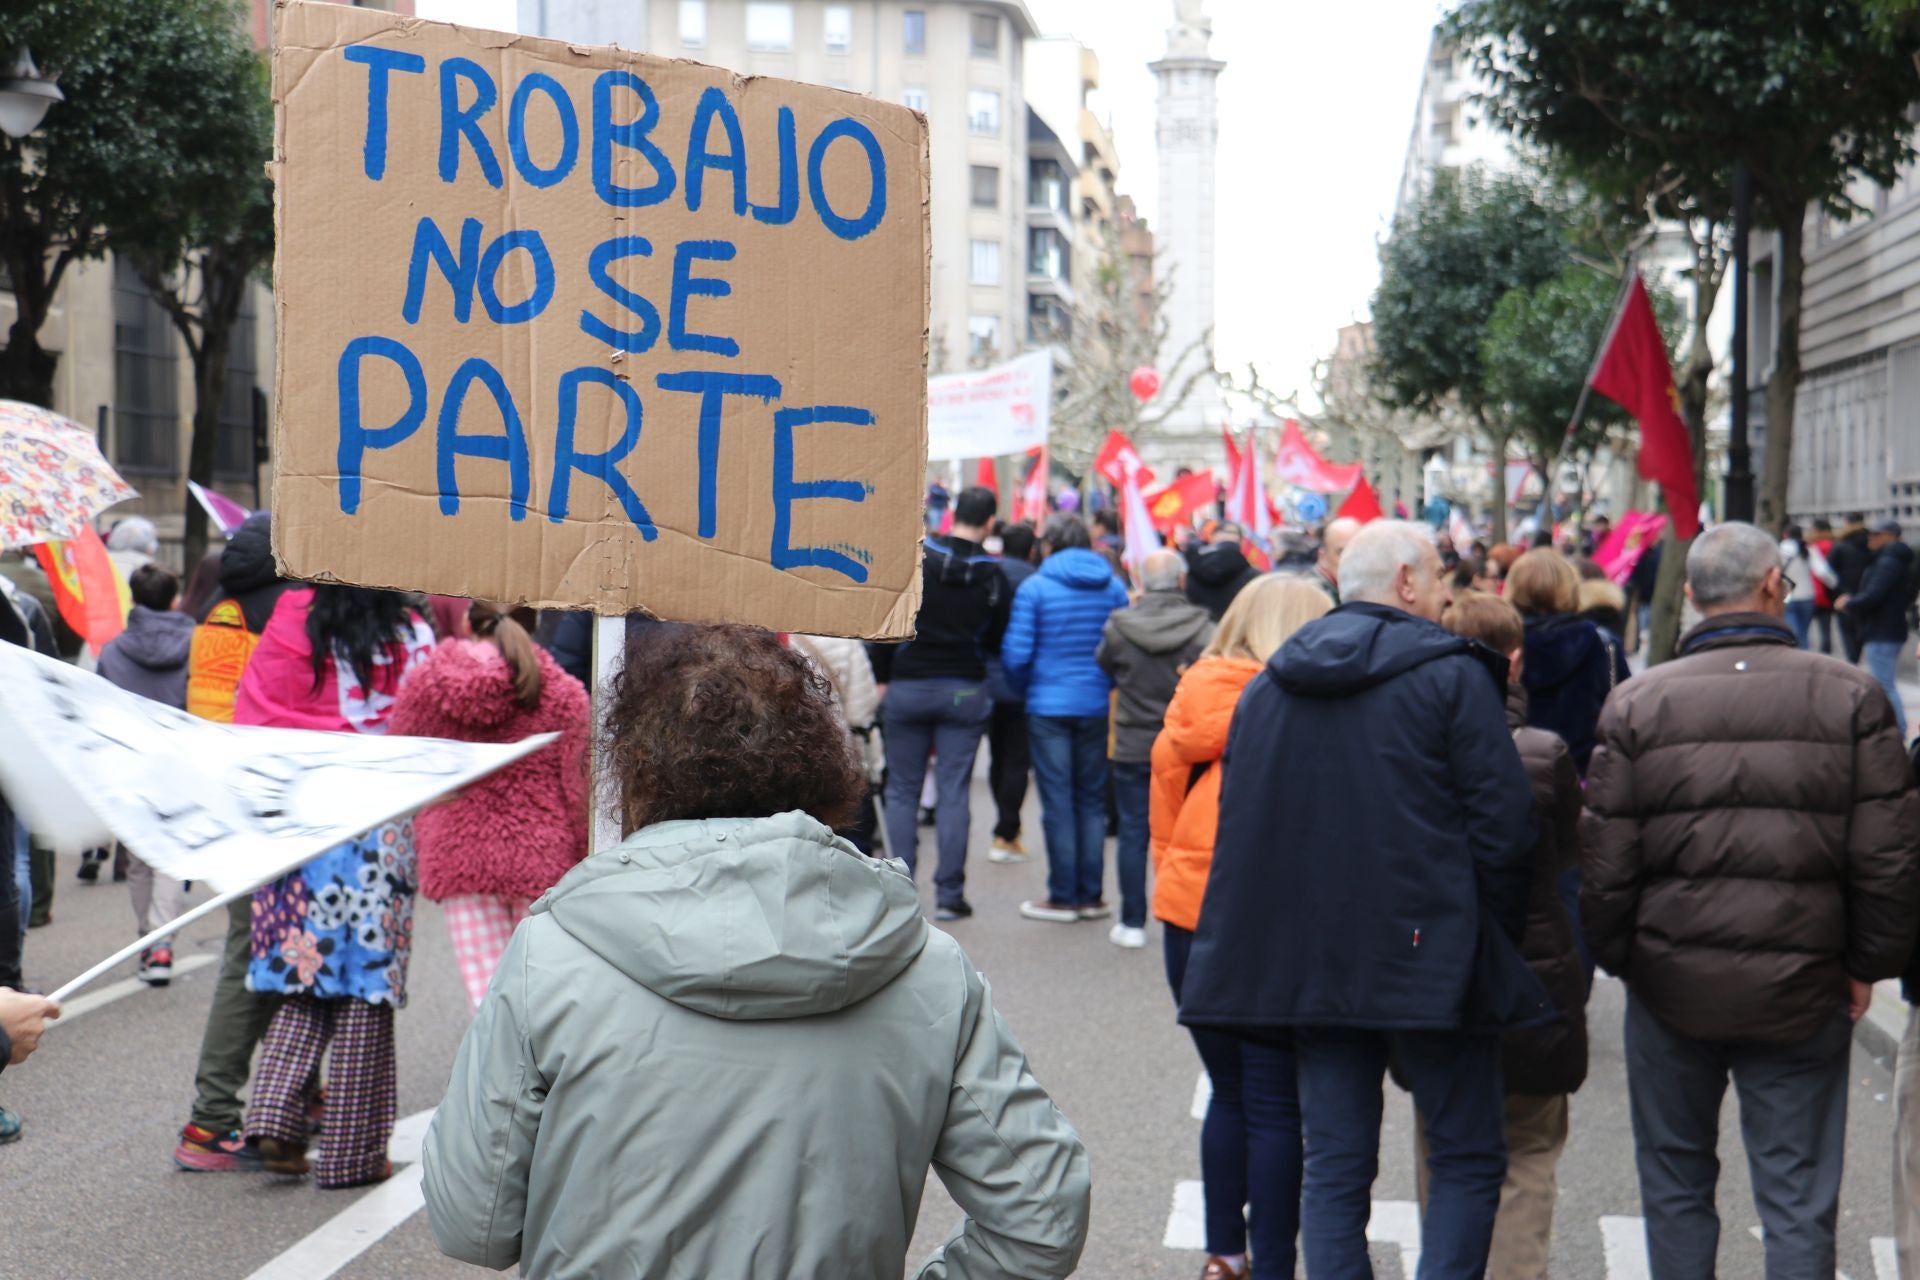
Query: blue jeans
x=1883, y=660
x=1250, y=1141
x=945, y=718
x=1132, y=785
x=1800, y=618
x=1456, y=1084
x=1070, y=768
x=23, y=869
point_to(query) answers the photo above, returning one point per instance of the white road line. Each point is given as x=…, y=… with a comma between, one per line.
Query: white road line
x=106, y=995
x=1187, y=1223
x=1202, y=1095
x=365, y=1222
x=1397, y=1222
x=1886, y=1259
x=1624, y=1242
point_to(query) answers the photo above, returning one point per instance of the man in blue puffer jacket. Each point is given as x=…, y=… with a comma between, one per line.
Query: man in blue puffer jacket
x=1059, y=615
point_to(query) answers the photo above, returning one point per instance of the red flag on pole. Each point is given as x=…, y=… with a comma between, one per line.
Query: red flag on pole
x=1635, y=374
x=87, y=589
x=988, y=477
x=1176, y=503
x=1363, y=504
x=1118, y=459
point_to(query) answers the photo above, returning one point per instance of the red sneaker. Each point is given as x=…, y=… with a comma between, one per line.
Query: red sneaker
x=204, y=1151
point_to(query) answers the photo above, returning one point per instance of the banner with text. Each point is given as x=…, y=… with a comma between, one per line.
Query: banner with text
x=990, y=413
x=588, y=328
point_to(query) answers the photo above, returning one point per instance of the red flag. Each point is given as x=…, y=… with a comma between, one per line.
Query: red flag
x=988, y=477
x=1363, y=504
x=1031, y=504
x=1233, y=454
x=1302, y=468
x=87, y=589
x=1635, y=374
x=1118, y=459
x=1248, y=503
x=1176, y=503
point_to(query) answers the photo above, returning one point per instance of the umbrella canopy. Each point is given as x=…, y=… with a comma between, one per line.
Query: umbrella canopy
x=53, y=481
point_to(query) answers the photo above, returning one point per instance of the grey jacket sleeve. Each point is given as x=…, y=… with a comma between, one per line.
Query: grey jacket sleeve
x=479, y=1147
x=1009, y=1159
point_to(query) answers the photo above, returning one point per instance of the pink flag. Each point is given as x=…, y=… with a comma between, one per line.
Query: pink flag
x=226, y=514
x=1142, y=540
x=1627, y=542
x=1247, y=504
x=1302, y=468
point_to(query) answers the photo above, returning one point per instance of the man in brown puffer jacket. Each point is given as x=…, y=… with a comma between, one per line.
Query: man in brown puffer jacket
x=1752, y=866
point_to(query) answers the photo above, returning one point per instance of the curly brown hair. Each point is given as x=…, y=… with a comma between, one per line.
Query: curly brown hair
x=727, y=722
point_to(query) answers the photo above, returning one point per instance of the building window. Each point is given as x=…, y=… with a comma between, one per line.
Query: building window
x=986, y=262
x=986, y=35
x=233, y=448
x=146, y=377
x=983, y=336
x=1047, y=186
x=986, y=187
x=839, y=28
x=913, y=28
x=693, y=23
x=915, y=96
x=983, y=112
x=1047, y=254
x=770, y=27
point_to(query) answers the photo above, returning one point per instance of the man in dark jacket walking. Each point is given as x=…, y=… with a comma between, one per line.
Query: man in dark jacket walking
x=1850, y=559
x=1752, y=846
x=1009, y=753
x=1145, y=649
x=936, y=700
x=1878, y=609
x=1393, y=912
x=1217, y=572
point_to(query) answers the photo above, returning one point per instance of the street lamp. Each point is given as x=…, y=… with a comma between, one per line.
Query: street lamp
x=25, y=95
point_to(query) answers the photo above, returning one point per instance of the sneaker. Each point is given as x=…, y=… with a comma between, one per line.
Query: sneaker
x=955, y=910
x=9, y=1127
x=1049, y=910
x=1006, y=851
x=1221, y=1269
x=89, y=869
x=204, y=1151
x=156, y=965
x=1094, y=910
x=926, y=817
x=1125, y=935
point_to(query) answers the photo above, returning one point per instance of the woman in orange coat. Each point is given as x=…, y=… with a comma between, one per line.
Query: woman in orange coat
x=1237, y=1168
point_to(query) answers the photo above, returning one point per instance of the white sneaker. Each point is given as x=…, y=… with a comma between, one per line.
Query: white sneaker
x=1006, y=851
x=1042, y=909
x=1127, y=936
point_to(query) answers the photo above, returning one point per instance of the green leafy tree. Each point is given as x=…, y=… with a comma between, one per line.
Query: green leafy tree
x=1807, y=94
x=1471, y=240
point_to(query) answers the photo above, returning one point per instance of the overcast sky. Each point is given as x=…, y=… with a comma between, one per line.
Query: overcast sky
x=1315, y=107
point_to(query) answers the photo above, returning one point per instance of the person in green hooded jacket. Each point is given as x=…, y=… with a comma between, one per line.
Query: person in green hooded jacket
x=732, y=1045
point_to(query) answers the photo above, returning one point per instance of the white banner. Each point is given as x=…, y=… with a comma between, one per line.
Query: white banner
x=990, y=413
x=84, y=762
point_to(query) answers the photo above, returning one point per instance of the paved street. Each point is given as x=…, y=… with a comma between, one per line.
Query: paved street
x=90, y=1191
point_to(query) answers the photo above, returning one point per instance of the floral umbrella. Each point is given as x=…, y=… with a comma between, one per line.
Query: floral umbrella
x=53, y=481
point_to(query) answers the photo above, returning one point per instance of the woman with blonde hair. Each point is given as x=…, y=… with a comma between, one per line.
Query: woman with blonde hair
x=1250, y=1144
x=1571, y=665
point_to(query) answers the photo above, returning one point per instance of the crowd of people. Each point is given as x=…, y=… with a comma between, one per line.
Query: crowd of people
x=1390, y=802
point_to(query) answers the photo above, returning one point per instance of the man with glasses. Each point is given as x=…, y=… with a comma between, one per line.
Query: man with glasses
x=1333, y=544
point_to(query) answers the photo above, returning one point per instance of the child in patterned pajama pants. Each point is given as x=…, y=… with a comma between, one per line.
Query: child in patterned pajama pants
x=481, y=925
x=362, y=1088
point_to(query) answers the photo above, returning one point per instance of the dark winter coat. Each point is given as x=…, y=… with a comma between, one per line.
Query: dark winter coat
x=1571, y=666
x=964, y=603
x=1879, y=607
x=1751, y=836
x=1850, y=559
x=1146, y=649
x=1216, y=574
x=248, y=575
x=150, y=657
x=1376, y=839
x=1552, y=1059
x=1059, y=615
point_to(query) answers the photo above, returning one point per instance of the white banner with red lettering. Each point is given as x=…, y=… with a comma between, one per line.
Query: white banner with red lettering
x=990, y=413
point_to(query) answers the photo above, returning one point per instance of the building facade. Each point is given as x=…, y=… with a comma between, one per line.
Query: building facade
x=959, y=61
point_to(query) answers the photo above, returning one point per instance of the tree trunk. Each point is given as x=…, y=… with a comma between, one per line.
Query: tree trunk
x=209, y=392
x=1498, y=447
x=26, y=370
x=1784, y=386
x=1668, y=598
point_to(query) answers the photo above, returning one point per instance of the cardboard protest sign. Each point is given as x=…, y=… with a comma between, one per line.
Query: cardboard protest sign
x=990, y=413
x=583, y=327
x=225, y=805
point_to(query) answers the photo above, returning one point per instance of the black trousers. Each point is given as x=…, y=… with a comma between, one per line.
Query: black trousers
x=10, y=940
x=1009, y=761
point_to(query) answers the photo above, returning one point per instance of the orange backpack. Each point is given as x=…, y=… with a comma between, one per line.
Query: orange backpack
x=221, y=646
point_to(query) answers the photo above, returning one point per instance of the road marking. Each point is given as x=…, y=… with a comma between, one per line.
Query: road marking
x=1202, y=1095
x=1394, y=1222
x=79, y=1005
x=365, y=1222
x=1187, y=1223
x=1886, y=1259
x=1624, y=1243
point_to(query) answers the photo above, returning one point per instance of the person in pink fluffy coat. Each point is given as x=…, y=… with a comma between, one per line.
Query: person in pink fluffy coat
x=486, y=854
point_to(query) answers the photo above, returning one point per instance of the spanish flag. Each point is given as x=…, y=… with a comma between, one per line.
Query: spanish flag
x=91, y=595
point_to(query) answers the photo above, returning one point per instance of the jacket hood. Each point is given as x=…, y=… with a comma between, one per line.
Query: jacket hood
x=247, y=563
x=1077, y=567
x=1559, y=648
x=1161, y=622
x=1358, y=646
x=157, y=641
x=744, y=918
x=1219, y=564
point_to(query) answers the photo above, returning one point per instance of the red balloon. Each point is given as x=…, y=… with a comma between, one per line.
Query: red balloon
x=1145, y=383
